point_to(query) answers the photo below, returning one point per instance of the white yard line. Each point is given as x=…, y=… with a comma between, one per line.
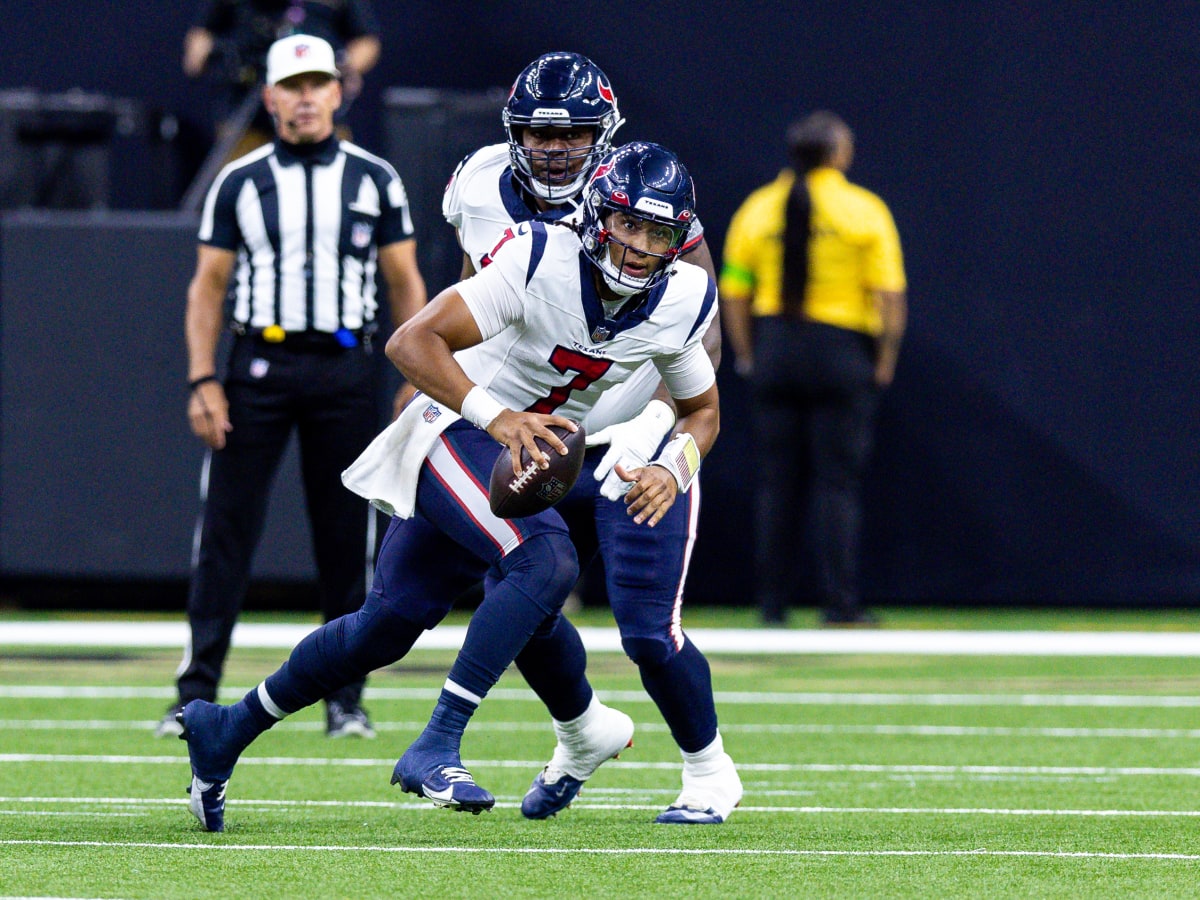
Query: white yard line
x=590, y=851
x=89, y=803
x=710, y=640
x=653, y=727
x=360, y=762
x=767, y=698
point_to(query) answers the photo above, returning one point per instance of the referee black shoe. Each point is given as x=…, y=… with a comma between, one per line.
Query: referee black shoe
x=346, y=721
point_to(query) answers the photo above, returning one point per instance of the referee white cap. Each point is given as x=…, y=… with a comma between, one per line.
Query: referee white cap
x=297, y=54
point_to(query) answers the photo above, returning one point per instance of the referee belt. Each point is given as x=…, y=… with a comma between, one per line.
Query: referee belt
x=308, y=341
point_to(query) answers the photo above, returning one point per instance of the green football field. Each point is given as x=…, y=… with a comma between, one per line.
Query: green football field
x=866, y=775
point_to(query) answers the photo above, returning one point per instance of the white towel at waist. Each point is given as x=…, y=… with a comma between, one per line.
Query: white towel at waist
x=386, y=472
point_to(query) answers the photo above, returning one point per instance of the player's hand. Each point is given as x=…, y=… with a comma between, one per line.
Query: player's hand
x=208, y=414
x=518, y=429
x=652, y=494
x=631, y=444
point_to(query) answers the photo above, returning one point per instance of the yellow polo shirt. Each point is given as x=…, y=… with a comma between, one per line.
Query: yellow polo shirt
x=854, y=250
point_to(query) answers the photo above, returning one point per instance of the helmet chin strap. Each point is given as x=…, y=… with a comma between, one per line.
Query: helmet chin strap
x=618, y=287
x=559, y=195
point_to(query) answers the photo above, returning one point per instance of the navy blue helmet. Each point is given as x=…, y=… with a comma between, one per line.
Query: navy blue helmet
x=566, y=90
x=636, y=213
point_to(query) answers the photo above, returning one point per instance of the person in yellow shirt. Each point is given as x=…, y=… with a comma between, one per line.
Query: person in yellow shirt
x=813, y=300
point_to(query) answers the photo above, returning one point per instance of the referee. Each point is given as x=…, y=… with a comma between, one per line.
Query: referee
x=293, y=233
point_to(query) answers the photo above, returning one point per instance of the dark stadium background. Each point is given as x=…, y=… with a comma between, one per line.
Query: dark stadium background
x=1039, y=446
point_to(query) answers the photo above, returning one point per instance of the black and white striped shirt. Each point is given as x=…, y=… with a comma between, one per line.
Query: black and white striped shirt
x=306, y=223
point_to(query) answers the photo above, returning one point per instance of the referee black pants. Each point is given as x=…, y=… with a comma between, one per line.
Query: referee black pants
x=328, y=398
x=815, y=406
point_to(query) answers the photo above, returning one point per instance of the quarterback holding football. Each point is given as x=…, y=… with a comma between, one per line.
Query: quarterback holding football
x=565, y=311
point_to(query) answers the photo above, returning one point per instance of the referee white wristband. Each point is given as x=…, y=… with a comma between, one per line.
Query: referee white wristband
x=680, y=457
x=480, y=408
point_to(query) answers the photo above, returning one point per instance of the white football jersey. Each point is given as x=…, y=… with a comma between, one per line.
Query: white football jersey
x=549, y=345
x=482, y=203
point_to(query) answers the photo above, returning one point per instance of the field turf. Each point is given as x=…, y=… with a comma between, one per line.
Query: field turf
x=866, y=775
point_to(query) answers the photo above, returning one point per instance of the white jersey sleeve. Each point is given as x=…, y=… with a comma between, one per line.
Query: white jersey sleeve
x=492, y=296
x=479, y=202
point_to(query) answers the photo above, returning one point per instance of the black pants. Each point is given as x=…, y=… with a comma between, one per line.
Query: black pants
x=328, y=397
x=815, y=405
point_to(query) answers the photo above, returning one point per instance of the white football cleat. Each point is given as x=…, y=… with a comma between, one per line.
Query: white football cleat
x=711, y=791
x=584, y=744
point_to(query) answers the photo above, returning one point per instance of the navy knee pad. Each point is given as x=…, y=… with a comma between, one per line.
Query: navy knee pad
x=652, y=653
x=544, y=568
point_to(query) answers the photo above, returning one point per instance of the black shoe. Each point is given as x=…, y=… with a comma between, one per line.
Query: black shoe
x=849, y=618
x=346, y=721
x=773, y=619
x=169, y=726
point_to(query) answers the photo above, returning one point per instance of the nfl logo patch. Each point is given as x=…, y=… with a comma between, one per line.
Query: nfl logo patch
x=600, y=333
x=360, y=234
x=432, y=413
x=553, y=490
x=258, y=367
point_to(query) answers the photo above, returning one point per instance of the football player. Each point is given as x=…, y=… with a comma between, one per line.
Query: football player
x=564, y=313
x=559, y=119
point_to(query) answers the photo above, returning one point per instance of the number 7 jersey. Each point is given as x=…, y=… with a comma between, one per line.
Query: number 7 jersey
x=551, y=346
x=548, y=347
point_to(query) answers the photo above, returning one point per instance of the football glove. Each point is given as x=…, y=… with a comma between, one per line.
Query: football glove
x=630, y=444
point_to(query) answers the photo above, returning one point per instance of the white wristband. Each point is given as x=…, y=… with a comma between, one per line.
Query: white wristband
x=681, y=457
x=480, y=408
x=660, y=412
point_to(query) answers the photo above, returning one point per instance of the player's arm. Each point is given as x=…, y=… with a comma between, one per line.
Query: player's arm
x=406, y=286
x=701, y=256
x=406, y=296
x=361, y=55
x=893, y=310
x=198, y=46
x=657, y=484
x=208, y=410
x=423, y=350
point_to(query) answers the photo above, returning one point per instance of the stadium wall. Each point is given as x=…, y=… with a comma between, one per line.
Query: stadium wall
x=1038, y=444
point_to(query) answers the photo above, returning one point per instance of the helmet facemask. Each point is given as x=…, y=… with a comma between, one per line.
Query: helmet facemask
x=635, y=217
x=547, y=173
x=624, y=241
x=562, y=90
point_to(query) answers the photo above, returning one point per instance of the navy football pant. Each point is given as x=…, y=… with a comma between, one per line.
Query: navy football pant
x=645, y=569
x=424, y=563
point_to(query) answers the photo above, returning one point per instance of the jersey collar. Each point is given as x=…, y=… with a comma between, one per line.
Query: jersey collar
x=521, y=207
x=322, y=153
x=633, y=313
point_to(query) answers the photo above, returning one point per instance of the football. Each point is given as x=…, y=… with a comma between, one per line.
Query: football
x=536, y=489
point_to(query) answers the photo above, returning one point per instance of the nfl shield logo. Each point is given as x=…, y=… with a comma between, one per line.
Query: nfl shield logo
x=600, y=333
x=258, y=367
x=432, y=413
x=360, y=234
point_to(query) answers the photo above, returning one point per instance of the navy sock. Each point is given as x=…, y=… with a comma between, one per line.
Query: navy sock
x=249, y=718
x=682, y=690
x=447, y=724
